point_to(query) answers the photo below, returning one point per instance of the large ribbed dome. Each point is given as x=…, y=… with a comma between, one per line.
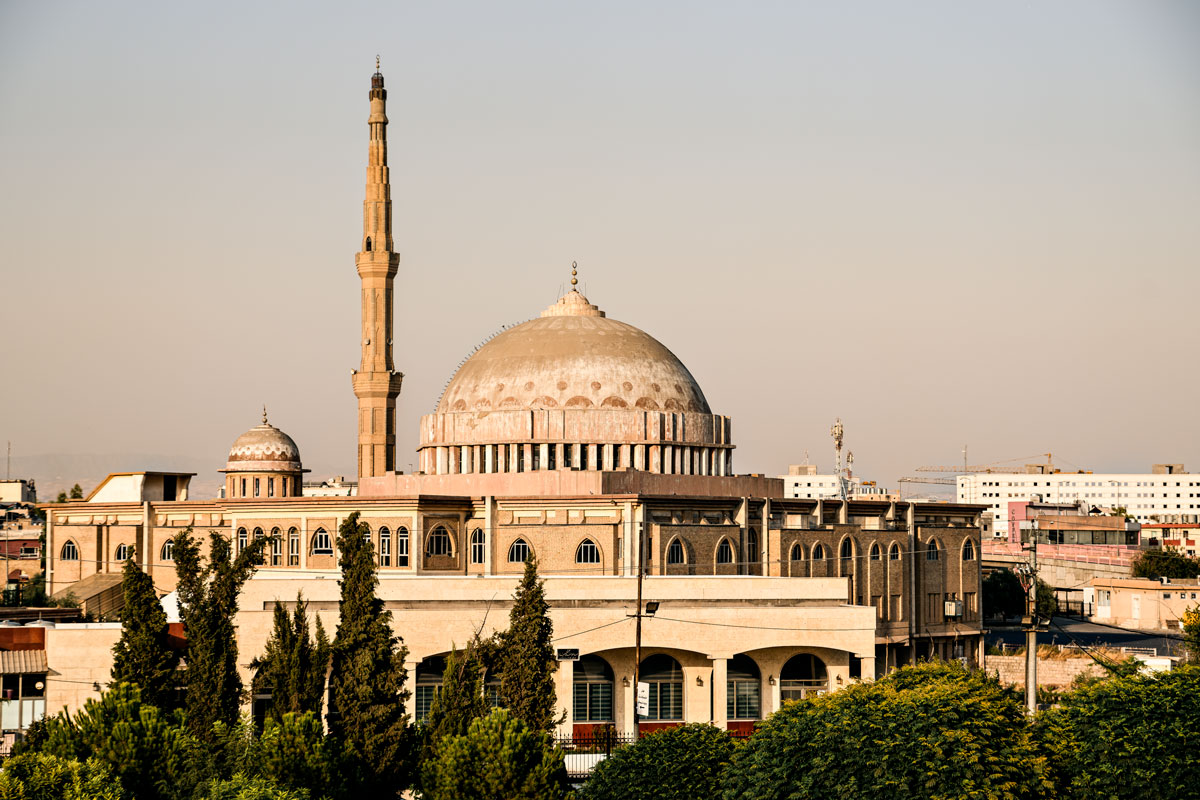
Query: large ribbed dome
x=573, y=356
x=264, y=448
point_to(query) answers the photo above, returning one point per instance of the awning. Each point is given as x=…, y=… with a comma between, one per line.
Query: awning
x=23, y=662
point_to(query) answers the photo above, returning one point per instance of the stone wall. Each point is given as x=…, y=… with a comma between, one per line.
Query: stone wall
x=1056, y=672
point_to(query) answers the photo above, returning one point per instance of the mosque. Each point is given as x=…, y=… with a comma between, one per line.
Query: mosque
x=585, y=441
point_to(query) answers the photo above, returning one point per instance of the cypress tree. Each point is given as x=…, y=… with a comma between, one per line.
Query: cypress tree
x=460, y=702
x=141, y=656
x=526, y=657
x=367, y=673
x=293, y=666
x=208, y=593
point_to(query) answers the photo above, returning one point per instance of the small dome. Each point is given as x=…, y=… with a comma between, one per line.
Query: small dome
x=573, y=356
x=264, y=448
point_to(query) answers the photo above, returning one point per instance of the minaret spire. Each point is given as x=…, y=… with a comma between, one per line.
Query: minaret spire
x=376, y=382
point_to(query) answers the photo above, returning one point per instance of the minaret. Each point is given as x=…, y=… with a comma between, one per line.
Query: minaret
x=376, y=382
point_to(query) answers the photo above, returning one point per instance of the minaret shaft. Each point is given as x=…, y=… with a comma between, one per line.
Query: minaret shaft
x=376, y=382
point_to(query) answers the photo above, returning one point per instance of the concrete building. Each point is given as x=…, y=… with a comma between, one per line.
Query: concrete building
x=585, y=442
x=1180, y=533
x=1147, y=497
x=1143, y=603
x=18, y=490
x=803, y=480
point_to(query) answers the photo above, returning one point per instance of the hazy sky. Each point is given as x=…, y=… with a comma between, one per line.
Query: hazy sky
x=947, y=223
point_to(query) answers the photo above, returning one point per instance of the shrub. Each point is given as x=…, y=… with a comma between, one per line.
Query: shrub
x=41, y=776
x=682, y=763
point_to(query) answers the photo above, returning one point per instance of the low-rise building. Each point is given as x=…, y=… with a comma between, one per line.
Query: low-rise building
x=1144, y=603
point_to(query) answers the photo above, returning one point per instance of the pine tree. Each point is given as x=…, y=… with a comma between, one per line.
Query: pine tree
x=208, y=594
x=526, y=656
x=141, y=656
x=293, y=666
x=460, y=702
x=367, y=673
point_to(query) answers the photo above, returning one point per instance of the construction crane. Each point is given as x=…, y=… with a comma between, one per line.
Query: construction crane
x=936, y=481
x=995, y=466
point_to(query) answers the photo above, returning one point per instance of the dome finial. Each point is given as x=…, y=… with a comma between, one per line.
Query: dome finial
x=377, y=62
x=574, y=272
x=264, y=413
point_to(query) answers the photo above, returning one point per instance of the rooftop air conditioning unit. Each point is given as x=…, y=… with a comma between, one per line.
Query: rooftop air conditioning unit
x=1164, y=580
x=954, y=608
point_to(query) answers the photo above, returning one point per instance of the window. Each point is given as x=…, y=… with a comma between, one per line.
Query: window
x=438, y=543
x=932, y=553
x=752, y=545
x=258, y=534
x=385, y=547
x=321, y=543
x=518, y=552
x=69, y=552
x=616, y=451
x=276, y=548
x=743, y=689
x=270, y=487
x=665, y=677
x=242, y=539
x=797, y=552
x=847, y=548
x=478, y=547
x=567, y=460
x=801, y=676
x=587, y=553
x=875, y=554
x=293, y=547
x=593, y=690
x=968, y=551
x=583, y=456
x=257, y=487
x=724, y=552
x=428, y=684
x=122, y=552
x=818, y=552
x=401, y=547
x=675, y=553
x=243, y=487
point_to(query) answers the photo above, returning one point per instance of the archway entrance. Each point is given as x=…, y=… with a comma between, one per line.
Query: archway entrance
x=801, y=676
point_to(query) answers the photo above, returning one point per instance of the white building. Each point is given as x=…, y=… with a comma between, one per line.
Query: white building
x=1167, y=490
x=803, y=481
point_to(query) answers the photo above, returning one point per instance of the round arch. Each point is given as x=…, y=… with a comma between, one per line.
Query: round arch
x=801, y=675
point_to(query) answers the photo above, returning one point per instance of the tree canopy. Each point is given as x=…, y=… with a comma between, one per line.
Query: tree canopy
x=1164, y=564
x=142, y=655
x=682, y=763
x=294, y=663
x=525, y=654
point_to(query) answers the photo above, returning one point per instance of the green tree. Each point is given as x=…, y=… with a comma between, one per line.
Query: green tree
x=294, y=752
x=151, y=755
x=1164, y=564
x=367, y=673
x=1128, y=737
x=458, y=703
x=41, y=776
x=77, y=492
x=499, y=758
x=526, y=654
x=1003, y=594
x=294, y=663
x=62, y=497
x=935, y=730
x=208, y=594
x=1191, y=634
x=142, y=656
x=244, y=787
x=680, y=763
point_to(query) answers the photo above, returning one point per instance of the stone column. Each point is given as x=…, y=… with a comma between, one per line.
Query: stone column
x=867, y=668
x=720, y=689
x=564, y=680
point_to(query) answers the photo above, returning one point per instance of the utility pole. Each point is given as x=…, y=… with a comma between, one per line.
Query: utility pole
x=1028, y=575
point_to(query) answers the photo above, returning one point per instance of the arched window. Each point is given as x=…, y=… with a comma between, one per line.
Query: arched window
x=167, y=552
x=242, y=539
x=724, y=552
x=587, y=553
x=258, y=534
x=322, y=545
x=122, y=552
x=69, y=552
x=675, y=554
x=802, y=675
x=478, y=546
x=894, y=552
x=428, y=684
x=518, y=552
x=876, y=555
x=932, y=553
x=438, y=543
x=402, y=546
x=818, y=552
x=797, y=552
x=293, y=547
x=593, y=690
x=968, y=551
x=743, y=691
x=752, y=545
x=385, y=547
x=368, y=244
x=847, y=548
x=665, y=677
x=276, y=548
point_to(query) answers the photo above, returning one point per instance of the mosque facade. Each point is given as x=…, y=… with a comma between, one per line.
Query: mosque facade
x=586, y=442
